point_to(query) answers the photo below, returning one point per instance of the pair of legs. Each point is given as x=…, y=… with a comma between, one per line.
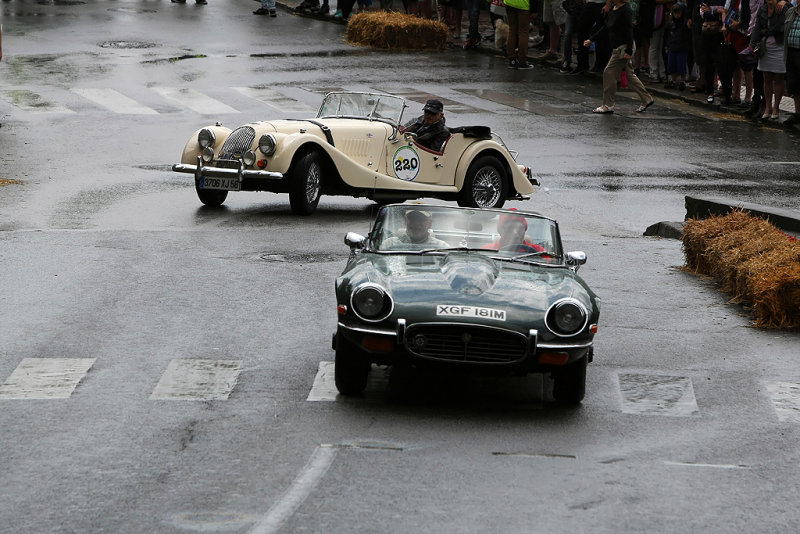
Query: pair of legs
x=616, y=64
x=519, y=23
x=774, y=86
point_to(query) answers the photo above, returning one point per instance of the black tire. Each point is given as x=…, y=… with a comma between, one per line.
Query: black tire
x=569, y=383
x=306, y=186
x=210, y=197
x=485, y=185
x=351, y=368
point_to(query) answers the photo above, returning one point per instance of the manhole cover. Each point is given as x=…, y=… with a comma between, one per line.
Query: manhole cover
x=125, y=44
x=300, y=258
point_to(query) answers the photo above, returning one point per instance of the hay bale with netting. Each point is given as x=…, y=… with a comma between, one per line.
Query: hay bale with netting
x=389, y=29
x=755, y=261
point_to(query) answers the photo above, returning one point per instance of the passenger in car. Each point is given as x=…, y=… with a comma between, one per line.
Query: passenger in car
x=418, y=233
x=512, y=230
x=430, y=129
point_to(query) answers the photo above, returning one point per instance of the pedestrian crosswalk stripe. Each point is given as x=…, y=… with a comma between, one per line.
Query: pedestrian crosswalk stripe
x=45, y=378
x=194, y=100
x=324, y=388
x=657, y=395
x=273, y=98
x=189, y=379
x=114, y=100
x=786, y=400
x=31, y=102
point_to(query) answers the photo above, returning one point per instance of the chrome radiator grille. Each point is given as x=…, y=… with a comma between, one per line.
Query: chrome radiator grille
x=238, y=142
x=466, y=343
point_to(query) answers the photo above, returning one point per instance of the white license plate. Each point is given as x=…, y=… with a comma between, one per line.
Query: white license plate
x=228, y=184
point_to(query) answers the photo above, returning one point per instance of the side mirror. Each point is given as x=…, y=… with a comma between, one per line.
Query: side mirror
x=354, y=240
x=575, y=259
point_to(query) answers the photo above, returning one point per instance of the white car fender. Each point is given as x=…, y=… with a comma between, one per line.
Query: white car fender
x=192, y=148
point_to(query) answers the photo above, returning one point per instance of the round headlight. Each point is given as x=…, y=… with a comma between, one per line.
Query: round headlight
x=371, y=303
x=208, y=154
x=267, y=144
x=206, y=138
x=249, y=158
x=566, y=317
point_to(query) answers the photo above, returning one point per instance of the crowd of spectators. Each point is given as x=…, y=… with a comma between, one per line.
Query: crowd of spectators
x=737, y=53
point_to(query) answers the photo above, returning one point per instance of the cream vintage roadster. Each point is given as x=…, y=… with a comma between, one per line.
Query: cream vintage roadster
x=356, y=147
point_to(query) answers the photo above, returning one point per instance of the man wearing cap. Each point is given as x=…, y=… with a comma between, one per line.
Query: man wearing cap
x=429, y=128
x=418, y=233
x=512, y=230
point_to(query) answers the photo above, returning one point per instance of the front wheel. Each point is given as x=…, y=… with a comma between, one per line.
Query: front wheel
x=485, y=184
x=210, y=197
x=306, y=186
x=351, y=368
x=569, y=383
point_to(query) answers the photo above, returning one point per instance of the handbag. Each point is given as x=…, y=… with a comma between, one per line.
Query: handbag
x=760, y=48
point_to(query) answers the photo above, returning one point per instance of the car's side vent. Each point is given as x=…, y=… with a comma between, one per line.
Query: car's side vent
x=238, y=142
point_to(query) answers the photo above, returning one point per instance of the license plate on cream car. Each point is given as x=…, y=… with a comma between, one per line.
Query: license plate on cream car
x=228, y=184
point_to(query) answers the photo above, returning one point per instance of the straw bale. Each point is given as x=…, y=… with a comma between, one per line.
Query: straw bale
x=753, y=260
x=384, y=29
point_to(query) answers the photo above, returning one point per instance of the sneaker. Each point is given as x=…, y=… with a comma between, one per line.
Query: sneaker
x=471, y=43
x=513, y=63
x=273, y=13
x=324, y=9
x=565, y=68
x=261, y=11
x=524, y=66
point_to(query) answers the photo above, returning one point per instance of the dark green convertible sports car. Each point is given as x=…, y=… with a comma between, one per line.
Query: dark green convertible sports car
x=483, y=290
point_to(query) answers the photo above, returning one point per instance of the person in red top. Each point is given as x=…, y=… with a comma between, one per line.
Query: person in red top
x=512, y=230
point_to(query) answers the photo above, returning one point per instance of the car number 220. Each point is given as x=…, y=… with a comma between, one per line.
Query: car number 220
x=406, y=163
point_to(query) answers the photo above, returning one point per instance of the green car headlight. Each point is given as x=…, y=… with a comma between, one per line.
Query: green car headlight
x=267, y=144
x=371, y=303
x=566, y=317
x=206, y=138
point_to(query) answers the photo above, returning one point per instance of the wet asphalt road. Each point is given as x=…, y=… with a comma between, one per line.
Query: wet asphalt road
x=691, y=417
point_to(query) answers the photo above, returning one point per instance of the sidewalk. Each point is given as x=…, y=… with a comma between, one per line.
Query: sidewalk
x=655, y=88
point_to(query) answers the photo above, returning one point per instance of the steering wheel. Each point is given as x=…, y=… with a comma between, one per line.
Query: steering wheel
x=520, y=247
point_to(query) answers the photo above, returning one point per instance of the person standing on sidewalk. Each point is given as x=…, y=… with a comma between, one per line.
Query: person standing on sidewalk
x=619, y=29
x=770, y=22
x=519, y=26
x=267, y=8
x=554, y=16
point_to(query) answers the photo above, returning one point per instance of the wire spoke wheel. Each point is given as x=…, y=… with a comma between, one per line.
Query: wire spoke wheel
x=484, y=185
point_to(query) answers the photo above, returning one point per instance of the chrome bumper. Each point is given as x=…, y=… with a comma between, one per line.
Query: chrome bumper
x=201, y=170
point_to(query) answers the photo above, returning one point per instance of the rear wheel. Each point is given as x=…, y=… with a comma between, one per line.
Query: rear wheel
x=306, y=186
x=485, y=184
x=210, y=197
x=351, y=368
x=569, y=383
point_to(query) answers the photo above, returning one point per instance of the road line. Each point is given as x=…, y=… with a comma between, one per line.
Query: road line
x=785, y=399
x=45, y=378
x=197, y=380
x=31, y=102
x=194, y=100
x=114, y=100
x=273, y=98
x=657, y=395
x=298, y=492
x=324, y=388
x=715, y=466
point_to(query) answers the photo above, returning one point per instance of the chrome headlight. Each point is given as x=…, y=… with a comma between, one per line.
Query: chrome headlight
x=371, y=303
x=206, y=138
x=566, y=317
x=249, y=158
x=267, y=144
x=208, y=154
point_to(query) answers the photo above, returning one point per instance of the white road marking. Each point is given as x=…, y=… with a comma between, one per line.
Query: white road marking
x=324, y=388
x=114, y=100
x=45, y=378
x=32, y=102
x=275, y=99
x=786, y=400
x=715, y=466
x=194, y=100
x=301, y=488
x=657, y=395
x=197, y=380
